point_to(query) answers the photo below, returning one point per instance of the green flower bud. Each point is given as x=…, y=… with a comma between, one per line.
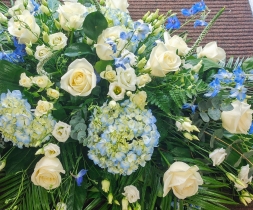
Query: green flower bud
x=157, y=31
x=142, y=49
x=2, y=164
x=141, y=63
x=110, y=198
x=57, y=24
x=155, y=15
x=146, y=15
x=105, y=183
x=45, y=10
x=45, y=27
x=44, y=2
x=28, y=50
x=124, y=203
x=197, y=67
x=45, y=37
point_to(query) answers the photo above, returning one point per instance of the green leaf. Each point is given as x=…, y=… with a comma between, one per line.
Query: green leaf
x=226, y=107
x=59, y=113
x=238, y=162
x=216, y=102
x=207, y=63
x=101, y=65
x=78, y=49
x=202, y=106
x=53, y=4
x=247, y=64
x=214, y=113
x=94, y=24
x=204, y=116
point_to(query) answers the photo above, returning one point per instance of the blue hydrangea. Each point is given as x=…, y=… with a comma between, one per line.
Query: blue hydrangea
x=122, y=137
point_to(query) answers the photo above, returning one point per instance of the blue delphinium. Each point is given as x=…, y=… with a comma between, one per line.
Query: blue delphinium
x=196, y=8
x=192, y=106
x=173, y=23
x=200, y=23
x=238, y=92
x=214, y=88
x=141, y=30
x=79, y=177
x=224, y=76
x=239, y=75
x=251, y=129
x=112, y=44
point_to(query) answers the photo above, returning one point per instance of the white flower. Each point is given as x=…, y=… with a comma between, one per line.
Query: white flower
x=176, y=43
x=61, y=206
x=109, y=74
x=117, y=4
x=57, y=40
x=42, y=81
x=43, y=107
x=182, y=179
x=47, y=173
x=61, y=131
x=71, y=15
x=19, y=7
x=212, y=51
x=104, y=50
x=218, y=156
x=186, y=125
x=42, y=52
x=239, y=119
x=24, y=27
x=139, y=99
x=163, y=61
x=25, y=81
x=80, y=78
x=127, y=78
x=142, y=80
x=244, y=174
x=127, y=54
x=51, y=150
x=52, y=93
x=116, y=91
x=132, y=193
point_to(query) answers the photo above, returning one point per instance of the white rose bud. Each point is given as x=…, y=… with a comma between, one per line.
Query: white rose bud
x=25, y=81
x=132, y=193
x=51, y=150
x=218, y=156
x=42, y=52
x=42, y=81
x=43, y=107
x=57, y=41
x=61, y=131
x=143, y=80
x=139, y=99
x=52, y=93
x=109, y=74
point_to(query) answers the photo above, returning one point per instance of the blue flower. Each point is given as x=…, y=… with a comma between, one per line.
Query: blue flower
x=238, y=92
x=251, y=129
x=215, y=88
x=79, y=177
x=197, y=7
x=173, y=23
x=224, y=76
x=200, y=23
x=36, y=5
x=192, y=106
x=121, y=62
x=239, y=75
x=112, y=44
x=141, y=30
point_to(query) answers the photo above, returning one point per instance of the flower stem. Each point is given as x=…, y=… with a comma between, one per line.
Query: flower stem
x=164, y=158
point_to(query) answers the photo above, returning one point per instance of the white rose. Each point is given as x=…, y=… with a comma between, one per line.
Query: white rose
x=52, y=93
x=43, y=107
x=104, y=50
x=51, y=150
x=71, y=15
x=239, y=119
x=212, y=51
x=176, y=43
x=127, y=78
x=132, y=193
x=218, y=156
x=57, y=40
x=47, y=173
x=109, y=74
x=61, y=131
x=3, y=19
x=139, y=99
x=116, y=4
x=24, y=27
x=244, y=174
x=42, y=52
x=143, y=80
x=163, y=61
x=41, y=81
x=183, y=180
x=80, y=78
x=25, y=81
x=116, y=91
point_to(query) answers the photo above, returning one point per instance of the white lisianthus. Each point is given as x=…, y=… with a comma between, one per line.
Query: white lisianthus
x=25, y=81
x=43, y=107
x=104, y=50
x=239, y=119
x=116, y=4
x=176, y=43
x=163, y=61
x=244, y=174
x=47, y=173
x=127, y=78
x=139, y=99
x=116, y=91
x=132, y=193
x=42, y=52
x=109, y=74
x=218, y=156
x=57, y=40
x=80, y=78
x=142, y=80
x=42, y=81
x=71, y=15
x=52, y=93
x=24, y=27
x=182, y=179
x=61, y=131
x=51, y=150
x=61, y=206
x=212, y=51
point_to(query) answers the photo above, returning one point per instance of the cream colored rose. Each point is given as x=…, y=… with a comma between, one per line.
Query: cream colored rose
x=182, y=179
x=103, y=49
x=43, y=107
x=25, y=81
x=47, y=173
x=57, y=41
x=176, y=43
x=71, y=15
x=61, y=131
x=80, y=78
x=116, y=4
x=42, y=52
x=116, y=91
x=52, y=93
x=163, y=61
x=212, y=51
x=109, y=74
x=218, y=156
x=51, y=150
x=143, y=80
x=24, y=27
x=132, y=193
x=239, y=119
x=139, y=99
x=41, y=81
x=127, y=78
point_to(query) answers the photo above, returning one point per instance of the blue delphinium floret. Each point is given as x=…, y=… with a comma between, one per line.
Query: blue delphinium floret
x=200, y=23
x=192, y=106
x=251, y=129
x=224, y=76
x=79, y=177
x=239, y=75
x=141, y=30
x=173, y=23
x=214, y=88
x=196, y=8
x=238, y=92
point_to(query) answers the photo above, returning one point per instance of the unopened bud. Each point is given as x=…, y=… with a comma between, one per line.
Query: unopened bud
x=155, y=15
x=105, y=183
x=110, y=198
x=129, y=208
x=137, y=206
x=230, y=176
x=128, y=93
x=40, y=151
x=45, y=10
x=112, y=104
x=195, y=137
x=2, y=164
x=45, y=27
x=45, y=37
x=116, y=202
x=44, y=2
x=124, y=203
x=25, y=3
x=146, y=15
x=57, y=24
x=7, y=37
x=188, y=135
x=28, y=50
x=102, y=2
x=197, y=67
x=157, y=31
x=142, y=49
x=141, y=63
x=149, y=18
x=159, y=23
x=89, y=41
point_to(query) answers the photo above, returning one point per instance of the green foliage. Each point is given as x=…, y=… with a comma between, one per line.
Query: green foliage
x=101, y=65
x=247, y=64
x=78, y=49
